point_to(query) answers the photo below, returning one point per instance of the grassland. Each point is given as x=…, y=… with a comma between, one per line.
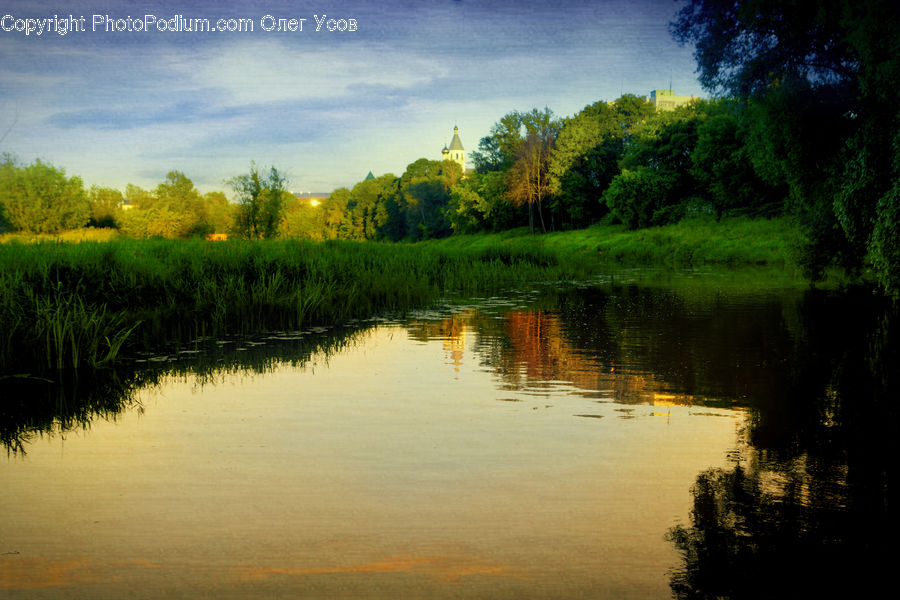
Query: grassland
x=66, y=305
x=733, y=243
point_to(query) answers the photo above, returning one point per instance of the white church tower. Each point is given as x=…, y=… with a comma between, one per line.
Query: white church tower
x=455, y=152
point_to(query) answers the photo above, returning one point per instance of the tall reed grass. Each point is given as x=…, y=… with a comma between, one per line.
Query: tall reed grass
x=69, y=306
x=74, y=305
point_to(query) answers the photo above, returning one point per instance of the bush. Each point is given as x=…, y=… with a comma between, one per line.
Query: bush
x=634, y=196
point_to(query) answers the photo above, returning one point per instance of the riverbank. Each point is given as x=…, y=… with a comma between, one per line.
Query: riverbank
x=65, y=305
x=78, y=305
x=736, y=242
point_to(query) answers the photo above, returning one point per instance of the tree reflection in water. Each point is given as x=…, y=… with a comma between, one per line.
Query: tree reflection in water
x=33, y=407
x=806, y=509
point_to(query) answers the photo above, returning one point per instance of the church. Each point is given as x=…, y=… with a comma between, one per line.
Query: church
x=455, y=152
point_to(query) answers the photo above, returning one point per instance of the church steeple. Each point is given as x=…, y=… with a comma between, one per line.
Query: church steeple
x=455, y=152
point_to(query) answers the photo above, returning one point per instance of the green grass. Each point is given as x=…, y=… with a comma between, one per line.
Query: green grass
x=695, y=243
x=78, y=305
x=74, y=305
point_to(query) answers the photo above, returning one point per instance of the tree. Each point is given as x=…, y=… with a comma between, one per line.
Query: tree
x=373, y=209
x=260, y=201
x=468, y=210
x=177, y=210
x=218, y=211
x=637, y=197
x=425, y=197
x=722, y=167
x=586, y=153
x=105, y=204
x=797, y=67
x=529, y=177
x=489, y=157
x=39, y=198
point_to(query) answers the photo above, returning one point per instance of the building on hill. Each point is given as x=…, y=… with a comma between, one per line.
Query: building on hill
x=369, y=176
x=455, y=152
x=667, y=100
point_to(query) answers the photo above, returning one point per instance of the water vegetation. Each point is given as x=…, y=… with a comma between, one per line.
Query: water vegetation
x=67, y=306
x=79, y=305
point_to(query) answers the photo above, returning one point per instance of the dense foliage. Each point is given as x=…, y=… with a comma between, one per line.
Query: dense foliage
x=817, y=84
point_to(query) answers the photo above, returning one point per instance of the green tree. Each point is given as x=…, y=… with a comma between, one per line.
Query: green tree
x=425, y=197
x=39, y=198
x=134, y=217
x=799, y=67
x=373, y=209
x=664, y=145
x=480, y=203
x=586, y=154
x=638, y=197
x=468, y=210
x=219, y=212
x=489, y=157
x=105, y=204
x=260, y=198
x=177, y=209
x=723, y=169
x=528, y=180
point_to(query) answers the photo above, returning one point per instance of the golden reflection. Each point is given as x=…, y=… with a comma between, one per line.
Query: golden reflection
x=540, y=355
x=41, y=572
x=22, y=573
x=446, y=569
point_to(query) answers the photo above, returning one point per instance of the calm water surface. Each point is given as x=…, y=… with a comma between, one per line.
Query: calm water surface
x=617, y=441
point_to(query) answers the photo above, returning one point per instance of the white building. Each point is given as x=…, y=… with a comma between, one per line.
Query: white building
x=455, y=152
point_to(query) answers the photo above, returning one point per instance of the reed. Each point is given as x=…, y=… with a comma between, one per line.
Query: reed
x=73, y=306
x=81, y=305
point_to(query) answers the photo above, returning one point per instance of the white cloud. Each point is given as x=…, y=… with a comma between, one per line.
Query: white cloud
x=264, y=71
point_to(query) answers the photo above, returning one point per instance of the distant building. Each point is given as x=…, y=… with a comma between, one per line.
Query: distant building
x=369, y=176
x=455, y=152
x=667, y=100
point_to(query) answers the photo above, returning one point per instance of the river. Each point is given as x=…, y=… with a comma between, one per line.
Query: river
x=683, y=436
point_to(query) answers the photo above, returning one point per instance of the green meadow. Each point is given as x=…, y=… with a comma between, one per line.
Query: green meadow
x=78, y=305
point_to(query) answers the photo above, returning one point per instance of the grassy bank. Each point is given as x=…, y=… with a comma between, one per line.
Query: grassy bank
x=695, y=243
x=66, y=305
x=77, y=305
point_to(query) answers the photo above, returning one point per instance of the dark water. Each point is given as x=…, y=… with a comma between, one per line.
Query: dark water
x=685, y=438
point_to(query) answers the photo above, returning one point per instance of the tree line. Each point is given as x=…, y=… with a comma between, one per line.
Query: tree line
x=803, y=121
x=40, y=198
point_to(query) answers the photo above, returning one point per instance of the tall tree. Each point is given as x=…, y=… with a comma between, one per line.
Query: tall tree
x=529, y=176
x=260, y=200
x=177, y=210
x=820, y=80
x=425, y=197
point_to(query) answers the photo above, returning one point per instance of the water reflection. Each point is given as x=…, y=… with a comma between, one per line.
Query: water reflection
x=631, y=344
x=33, y=408
x=809, y=500
x=535, y=444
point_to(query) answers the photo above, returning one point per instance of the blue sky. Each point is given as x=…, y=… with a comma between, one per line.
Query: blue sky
x=323, y=107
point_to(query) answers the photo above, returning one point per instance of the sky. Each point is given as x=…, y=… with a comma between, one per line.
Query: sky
x=323, y=107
